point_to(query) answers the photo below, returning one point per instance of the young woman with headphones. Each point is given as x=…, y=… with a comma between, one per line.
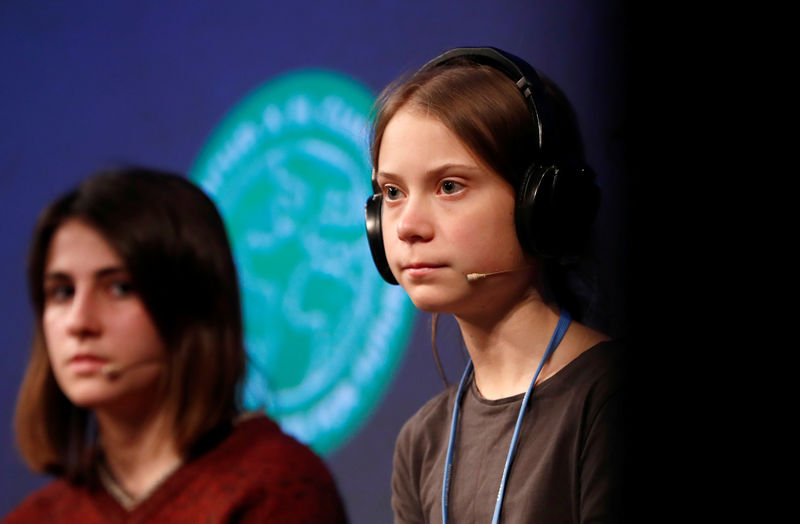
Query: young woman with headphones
x=482, y=203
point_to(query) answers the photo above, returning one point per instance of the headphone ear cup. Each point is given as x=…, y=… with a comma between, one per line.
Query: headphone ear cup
x=556, y=208
x=372, y=219
x=575, y=202
x=532, y=211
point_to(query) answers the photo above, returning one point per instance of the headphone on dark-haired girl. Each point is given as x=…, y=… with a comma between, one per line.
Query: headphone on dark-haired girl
x=557, y=198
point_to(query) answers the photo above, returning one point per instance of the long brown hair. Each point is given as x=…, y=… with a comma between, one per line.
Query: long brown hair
x=487, y=112
x=174, y=244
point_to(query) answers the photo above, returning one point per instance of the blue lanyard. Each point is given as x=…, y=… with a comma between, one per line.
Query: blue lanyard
x=558, y=334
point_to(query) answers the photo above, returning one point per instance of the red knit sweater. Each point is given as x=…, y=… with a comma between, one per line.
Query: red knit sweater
x=257, y=474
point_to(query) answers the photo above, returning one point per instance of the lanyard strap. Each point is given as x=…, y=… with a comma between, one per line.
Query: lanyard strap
x=561, y=328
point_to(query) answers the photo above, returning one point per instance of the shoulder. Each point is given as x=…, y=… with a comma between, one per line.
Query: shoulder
x=591, y=382
x=428, y=419
x=257, y=442
x=262, y=472
x=597, y=380
x=420, y=444
x=58, y=497
x=603, y=362
x=608, y=354
x=425, y=434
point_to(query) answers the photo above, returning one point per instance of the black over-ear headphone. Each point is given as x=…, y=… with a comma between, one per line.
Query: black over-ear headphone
x=557, y=199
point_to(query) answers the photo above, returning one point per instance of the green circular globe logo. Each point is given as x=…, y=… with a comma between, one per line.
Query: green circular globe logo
x=289, y=169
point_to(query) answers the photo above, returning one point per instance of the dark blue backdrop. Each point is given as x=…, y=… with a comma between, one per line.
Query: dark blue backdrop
x=91, y=82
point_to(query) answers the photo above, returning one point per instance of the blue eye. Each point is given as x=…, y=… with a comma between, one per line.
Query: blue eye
x=450, y=187
x=392, y=192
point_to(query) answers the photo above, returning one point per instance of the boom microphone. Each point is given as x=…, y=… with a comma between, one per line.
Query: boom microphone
x=113, y=371
x=472, y=277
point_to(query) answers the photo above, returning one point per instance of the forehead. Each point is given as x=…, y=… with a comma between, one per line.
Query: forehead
x=413, y=139
x=77, y=246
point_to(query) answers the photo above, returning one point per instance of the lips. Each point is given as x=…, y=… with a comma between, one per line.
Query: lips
x=421, y=269
x=85, y=364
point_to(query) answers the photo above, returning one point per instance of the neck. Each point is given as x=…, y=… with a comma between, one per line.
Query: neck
x=139, y=451
x=506, y=347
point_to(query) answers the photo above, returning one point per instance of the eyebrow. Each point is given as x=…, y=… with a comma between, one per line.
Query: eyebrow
x=100, y=273
x=440, y=170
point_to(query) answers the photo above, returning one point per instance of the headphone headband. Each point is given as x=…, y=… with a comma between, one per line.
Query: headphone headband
x=525, y=77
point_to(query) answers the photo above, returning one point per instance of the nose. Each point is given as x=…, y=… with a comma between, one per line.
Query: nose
x=83, y=319
x=415, y=223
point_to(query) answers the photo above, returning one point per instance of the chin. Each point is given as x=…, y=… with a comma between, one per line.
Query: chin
x=85, y=395
x=93, y=395
x=428, y=308
x=431, y=301
x=88, y=400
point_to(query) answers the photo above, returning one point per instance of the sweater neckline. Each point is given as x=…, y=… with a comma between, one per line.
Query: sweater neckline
x=125, y=499
x=171, y=482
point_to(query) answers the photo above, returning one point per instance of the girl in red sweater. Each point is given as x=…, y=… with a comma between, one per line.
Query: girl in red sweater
x=131, y=395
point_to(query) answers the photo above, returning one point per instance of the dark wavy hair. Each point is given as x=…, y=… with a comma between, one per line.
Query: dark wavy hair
x=173, y=242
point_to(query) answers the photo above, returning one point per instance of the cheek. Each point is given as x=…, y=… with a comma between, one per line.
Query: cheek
x=131, y=327
x=56, y=348
x=467, y=235
x=390, y=240
x=488, y=235
x=51, y=332
x=150, y=340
